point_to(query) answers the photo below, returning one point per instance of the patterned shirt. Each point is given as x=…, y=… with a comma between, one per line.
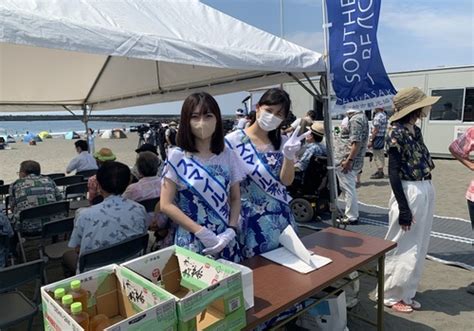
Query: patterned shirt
x=313, y=149
x=416, y=159
x=5, y=232
x=380, y=122
x=109, y=222
x=358, y=131
x=463, y=146
x=32, y=191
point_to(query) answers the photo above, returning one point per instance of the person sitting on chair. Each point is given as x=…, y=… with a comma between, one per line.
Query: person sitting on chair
x=149, y=187
x=31, y=190
x=114, y=220
x=83, y=161
x=102, y=156
x=314, y=147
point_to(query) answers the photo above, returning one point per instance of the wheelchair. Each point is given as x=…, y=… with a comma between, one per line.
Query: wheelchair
x=310, y=191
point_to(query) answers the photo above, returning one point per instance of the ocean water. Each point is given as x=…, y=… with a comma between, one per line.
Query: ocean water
x=20, y=127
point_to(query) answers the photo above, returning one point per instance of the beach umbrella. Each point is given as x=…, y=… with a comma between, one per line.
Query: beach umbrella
x=44, y=135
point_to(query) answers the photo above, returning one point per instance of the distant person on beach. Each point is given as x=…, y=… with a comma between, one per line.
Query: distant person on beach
x=93, y=192
x=460, y=149
x=31, y=190
x=412, y=201
x=91, y=141
x=83, y=161
x=114, y=220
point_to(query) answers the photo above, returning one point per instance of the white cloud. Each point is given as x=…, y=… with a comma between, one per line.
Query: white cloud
x=434, y=27
x=311, y=40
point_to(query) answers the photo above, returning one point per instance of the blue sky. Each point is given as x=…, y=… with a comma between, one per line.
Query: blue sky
x=413, y=34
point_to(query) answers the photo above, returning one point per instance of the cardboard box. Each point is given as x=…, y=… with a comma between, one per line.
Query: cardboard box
x=128, y=299
x=208, y=293
x=247, y=281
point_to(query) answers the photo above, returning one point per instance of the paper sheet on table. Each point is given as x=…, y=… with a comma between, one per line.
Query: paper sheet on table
x=294, y=254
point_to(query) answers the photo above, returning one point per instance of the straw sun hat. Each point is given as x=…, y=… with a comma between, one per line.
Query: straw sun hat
x=317, y=128
x=410, y=99
x=105, y=154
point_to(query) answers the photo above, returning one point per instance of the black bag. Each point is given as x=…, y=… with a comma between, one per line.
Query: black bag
x=378, y=143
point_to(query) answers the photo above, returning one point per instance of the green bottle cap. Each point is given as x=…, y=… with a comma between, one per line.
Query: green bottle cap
x=67, y=299
x=76, y=308
x=76, y=284
x=59, y=293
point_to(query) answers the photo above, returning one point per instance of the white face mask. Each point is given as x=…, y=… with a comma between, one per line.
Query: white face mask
x=268, y=121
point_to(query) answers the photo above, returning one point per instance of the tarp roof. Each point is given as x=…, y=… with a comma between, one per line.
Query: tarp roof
x=112, y=54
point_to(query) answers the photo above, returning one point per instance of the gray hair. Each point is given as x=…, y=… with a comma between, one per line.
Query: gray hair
x=147, y=164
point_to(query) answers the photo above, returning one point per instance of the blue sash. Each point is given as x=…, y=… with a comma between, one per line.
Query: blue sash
x=256, y=168
x=197, y=177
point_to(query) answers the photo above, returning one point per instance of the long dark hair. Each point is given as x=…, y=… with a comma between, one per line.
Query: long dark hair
x=274, y=97
x=185, y=138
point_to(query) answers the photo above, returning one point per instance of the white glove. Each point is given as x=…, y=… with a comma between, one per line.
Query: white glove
x=293, y=145
x=207, y=237
x=224, y=239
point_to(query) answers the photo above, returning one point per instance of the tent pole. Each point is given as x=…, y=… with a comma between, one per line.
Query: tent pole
x=328, y=122
x=85, y=120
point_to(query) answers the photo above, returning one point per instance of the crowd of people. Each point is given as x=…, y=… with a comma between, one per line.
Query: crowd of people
x=225, y=195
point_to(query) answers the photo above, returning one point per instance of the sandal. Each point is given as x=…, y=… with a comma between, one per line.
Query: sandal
x=415, y=304
x=401, y=307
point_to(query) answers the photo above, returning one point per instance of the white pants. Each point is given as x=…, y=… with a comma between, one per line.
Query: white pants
x=347, y=182
x=404, y=264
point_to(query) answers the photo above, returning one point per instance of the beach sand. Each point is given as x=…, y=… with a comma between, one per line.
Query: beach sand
x=55, y=154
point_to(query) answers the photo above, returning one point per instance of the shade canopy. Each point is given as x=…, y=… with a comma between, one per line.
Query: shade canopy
x=120, y=53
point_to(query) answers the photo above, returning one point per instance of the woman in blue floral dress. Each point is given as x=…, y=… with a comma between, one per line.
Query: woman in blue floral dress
x=200, y=190
x=268, y=158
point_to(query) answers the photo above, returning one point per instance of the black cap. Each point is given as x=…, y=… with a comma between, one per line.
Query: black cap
x=147, y=148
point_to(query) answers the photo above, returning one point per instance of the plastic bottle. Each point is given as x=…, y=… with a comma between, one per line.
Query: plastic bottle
x=102, y=325
x=66, y=302
x=97, y=321
x=58, y=295
x=81, y=317
x=79, y=294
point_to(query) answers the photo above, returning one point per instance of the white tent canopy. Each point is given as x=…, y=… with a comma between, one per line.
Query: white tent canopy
x=111, y=54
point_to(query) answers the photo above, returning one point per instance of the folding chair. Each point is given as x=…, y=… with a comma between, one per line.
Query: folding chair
x=4, y=190
x=55, y=175
x=87, y=173
x=68, y=180
x=16, y=306
x=76, y=191
x=149, y=204
x=116, y=253
x=37, y=215
x=61, y=228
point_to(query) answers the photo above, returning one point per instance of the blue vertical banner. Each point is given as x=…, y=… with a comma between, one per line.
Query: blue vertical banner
x=357, y=72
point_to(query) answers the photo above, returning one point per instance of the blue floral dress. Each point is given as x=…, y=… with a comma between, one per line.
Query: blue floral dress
x=263, y=217
x=224, y=167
